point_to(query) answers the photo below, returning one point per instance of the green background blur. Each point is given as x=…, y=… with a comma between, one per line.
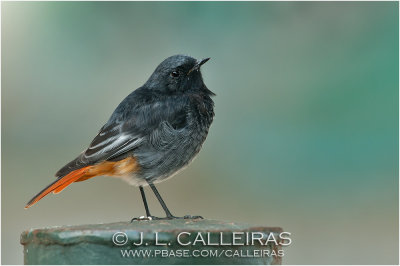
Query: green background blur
x=306, y=129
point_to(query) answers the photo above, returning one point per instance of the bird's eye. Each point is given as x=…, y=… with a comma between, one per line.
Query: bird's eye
x=174, y=74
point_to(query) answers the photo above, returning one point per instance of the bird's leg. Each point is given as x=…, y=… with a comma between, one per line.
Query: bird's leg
x=164, y=206
x=146, y=207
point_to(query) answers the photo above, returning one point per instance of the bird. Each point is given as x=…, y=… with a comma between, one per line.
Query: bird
x=157, y=130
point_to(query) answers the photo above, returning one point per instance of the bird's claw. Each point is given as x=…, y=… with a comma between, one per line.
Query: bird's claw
x=186, y=217
x=193, y=217
x=142, y=218
x=150, y=218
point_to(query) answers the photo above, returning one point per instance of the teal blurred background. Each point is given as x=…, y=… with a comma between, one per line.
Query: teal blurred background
x=306, y=129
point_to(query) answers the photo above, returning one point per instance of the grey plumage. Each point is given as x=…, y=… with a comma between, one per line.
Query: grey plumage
x=162, y=124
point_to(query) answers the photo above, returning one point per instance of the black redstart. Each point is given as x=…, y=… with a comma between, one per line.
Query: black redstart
x=155, y=131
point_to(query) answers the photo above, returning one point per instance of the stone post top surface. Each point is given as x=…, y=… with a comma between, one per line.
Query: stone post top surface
x=66, y=235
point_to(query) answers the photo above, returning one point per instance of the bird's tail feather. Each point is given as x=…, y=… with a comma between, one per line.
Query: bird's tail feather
x=120, y=168
x=58, y=185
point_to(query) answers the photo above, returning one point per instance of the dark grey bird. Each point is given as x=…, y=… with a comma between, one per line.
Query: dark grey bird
x=154, y=132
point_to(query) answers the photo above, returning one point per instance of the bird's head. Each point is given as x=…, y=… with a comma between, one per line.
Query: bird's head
x=177, y=74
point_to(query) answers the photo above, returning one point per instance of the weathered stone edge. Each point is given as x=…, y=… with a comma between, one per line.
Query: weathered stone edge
x=57, y=235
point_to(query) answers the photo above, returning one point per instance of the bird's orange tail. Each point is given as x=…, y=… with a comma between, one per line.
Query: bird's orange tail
x=121, y=168
x=58, y=185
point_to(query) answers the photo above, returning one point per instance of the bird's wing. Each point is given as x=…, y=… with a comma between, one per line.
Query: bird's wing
x=110, y=142
x=122, y=135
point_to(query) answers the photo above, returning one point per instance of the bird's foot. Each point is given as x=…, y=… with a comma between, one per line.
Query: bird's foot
x=171, y=217
x=142, y=218
x=193, y=217
x=186, y=217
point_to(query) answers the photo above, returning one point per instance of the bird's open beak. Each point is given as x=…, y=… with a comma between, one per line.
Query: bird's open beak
x=198, y=65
